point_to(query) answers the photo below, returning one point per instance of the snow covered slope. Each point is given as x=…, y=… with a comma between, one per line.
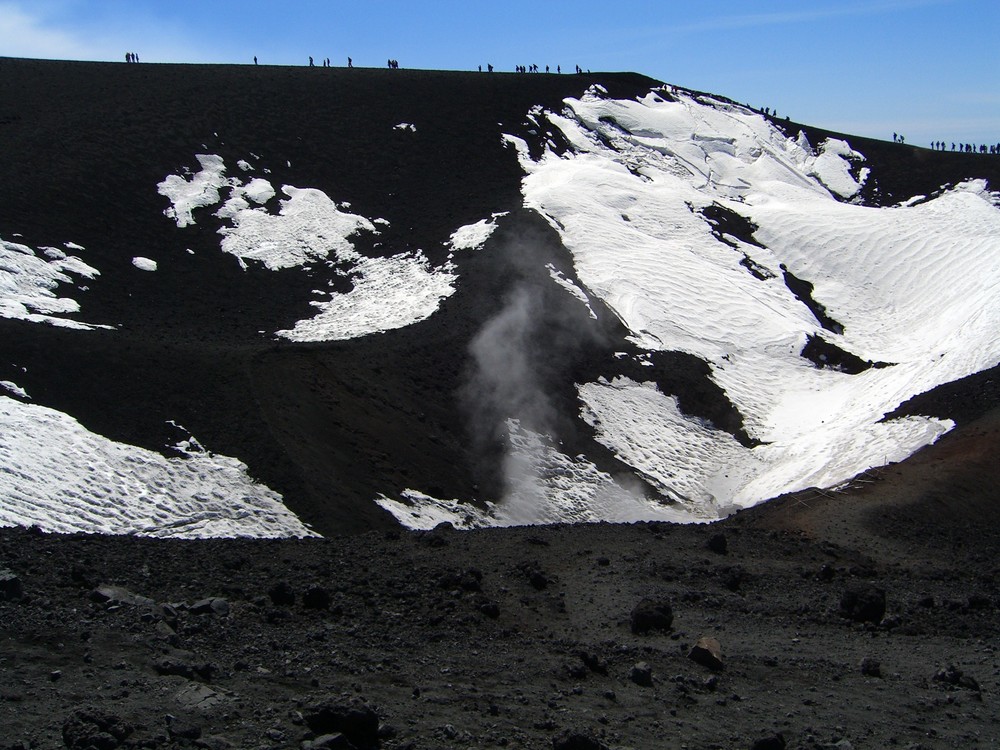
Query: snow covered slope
x=493, y=300
x=693, y=218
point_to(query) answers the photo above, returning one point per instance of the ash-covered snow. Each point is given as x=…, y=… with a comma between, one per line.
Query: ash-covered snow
x=31, y=285
x=546, y=486
x=63, y=478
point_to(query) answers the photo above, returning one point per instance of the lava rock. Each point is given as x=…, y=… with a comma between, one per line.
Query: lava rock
x=574, y=740
x=641, y=674
x=10, y=586
x=282, y=594
x=182, y=729
x=773, y=742
x=718, y=544
x=863, y=603
x=316, y=597
x=211, y=606
x=93, y=729
x=951, y=675
x=352, y=717
x=652, y=615
x=707, y=652
x=870, y=667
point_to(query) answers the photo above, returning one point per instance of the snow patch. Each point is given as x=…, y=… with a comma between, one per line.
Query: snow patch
x=144, y=264
x=29, y=285
x=58, y=475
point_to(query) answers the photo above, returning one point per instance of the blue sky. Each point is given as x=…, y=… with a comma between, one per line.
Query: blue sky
x=925, y=68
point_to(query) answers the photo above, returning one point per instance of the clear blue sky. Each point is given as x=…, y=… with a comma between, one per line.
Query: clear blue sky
x=928, y=69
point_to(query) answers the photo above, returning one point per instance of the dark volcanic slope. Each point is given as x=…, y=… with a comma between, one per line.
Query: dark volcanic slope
x=328, y=426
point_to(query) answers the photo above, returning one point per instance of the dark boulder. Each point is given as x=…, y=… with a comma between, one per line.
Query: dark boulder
x=574, y=740
x=10, y=586
x=863, y=603
x=651, y=615
x=94, y=729
x=351, y=717
x=282, y=594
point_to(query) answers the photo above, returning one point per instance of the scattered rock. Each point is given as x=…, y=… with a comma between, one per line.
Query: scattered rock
x=718, y=544
x=641, y=674
x=535, y=575
x=352, y=717
x=574, y=740
x=863, y=603
x=211, y=606
x=652, y=615
x=111, y=595
x=951, y=675
x=182, y=729
x=466, y=580
x=707, y=652
x=282, y=594
x=10, y=586
x=182, y=667
x=93, y=729
x=870, y=667
x=593, y=662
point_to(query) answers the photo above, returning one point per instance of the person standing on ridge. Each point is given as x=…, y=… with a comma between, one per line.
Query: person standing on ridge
x=350, y=63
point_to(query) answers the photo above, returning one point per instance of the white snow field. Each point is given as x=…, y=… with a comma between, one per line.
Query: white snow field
x=388, y=293
x=917, y=286
x=56, y=474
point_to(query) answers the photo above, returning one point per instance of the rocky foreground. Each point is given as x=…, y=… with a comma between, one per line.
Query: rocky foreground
x=865, y=618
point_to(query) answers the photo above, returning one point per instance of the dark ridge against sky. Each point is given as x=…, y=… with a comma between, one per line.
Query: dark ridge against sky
x=924, y=68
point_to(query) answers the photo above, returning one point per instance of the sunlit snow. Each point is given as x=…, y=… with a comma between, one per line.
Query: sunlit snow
x=144, y=264
x=387, y=292
x=914, y=286
x=31, y=287
x=63, y=478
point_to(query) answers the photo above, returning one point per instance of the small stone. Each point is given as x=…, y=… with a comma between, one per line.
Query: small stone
x=773, y=742
x=316, y=597
x=718, y=544
x=211, y=606
x=55, y=675
x=641, y=674
x=707, y=652
x=870, y=667
x=10, y=586
x=352, y=717
x=651, y=614
x=282, y=594
x=863, y=603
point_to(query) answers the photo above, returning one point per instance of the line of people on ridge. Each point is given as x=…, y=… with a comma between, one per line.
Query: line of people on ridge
x=967, y=148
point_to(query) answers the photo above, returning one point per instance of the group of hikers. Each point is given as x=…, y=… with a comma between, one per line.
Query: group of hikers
x=131, y=57
x=967, y=148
